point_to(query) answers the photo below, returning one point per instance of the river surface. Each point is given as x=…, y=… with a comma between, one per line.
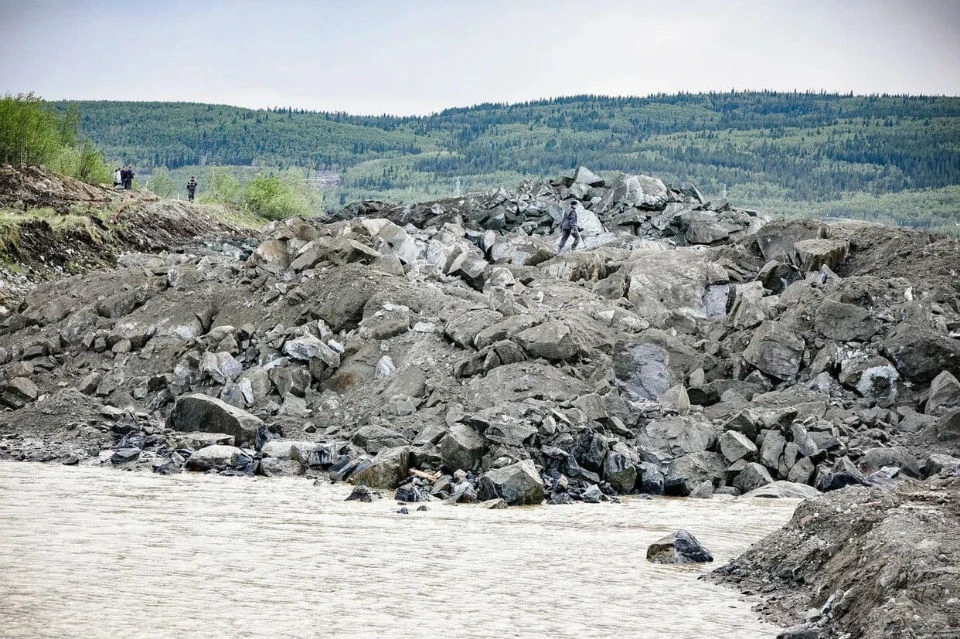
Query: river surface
x=92, y=552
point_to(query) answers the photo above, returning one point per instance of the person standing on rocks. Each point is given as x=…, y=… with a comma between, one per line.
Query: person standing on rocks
x=568, y=227
x=118, y=178
x=191, y=188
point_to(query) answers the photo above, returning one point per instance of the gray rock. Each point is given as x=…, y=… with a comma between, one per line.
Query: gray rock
x=373, y=439
x=220, y=367
x=124, y=455
x=676, y=436
x=944, y=394
x=775, y=350
x=801, y=472
x=386, y=470
x=812, y=254
x=784, y=490
x=679, y=548
x=876, y=458
x=845, y=322
x=273, y=467
x=948, y=426
x=703, y=491
x=619, y=472
x=772, y=449
x=686, y=473
x=517, y=484
x=215, y=457
x=363, y=494
x=920, y=354
x=651, y=479
x=18, y=392
x=308, y=348
x=873, y=377
x=461, y=448
x=592, y=494
x=551, y=340
x=937, y=463
x=734, y=446
x=207, y=414
x=753, y=476
x=803, y=441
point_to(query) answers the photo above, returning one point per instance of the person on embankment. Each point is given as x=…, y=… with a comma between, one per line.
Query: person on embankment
x=568, y=227
x=191, y=188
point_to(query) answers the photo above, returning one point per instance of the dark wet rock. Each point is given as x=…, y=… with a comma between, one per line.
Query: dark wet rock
x=947, y=427
x=362, y=493
x=591, y=494
x=403, y=511
x=207, y=414
x=619, y=472
x=651, y=480
x=518, y=484
x=125, y=455
x=679, y=548
x=843, y=473
x=410, y=493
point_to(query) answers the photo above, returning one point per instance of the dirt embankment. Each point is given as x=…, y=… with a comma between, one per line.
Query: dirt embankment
x=53, y=226
x=862, y=562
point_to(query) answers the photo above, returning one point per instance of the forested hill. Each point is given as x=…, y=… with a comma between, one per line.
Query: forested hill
x=760, y=146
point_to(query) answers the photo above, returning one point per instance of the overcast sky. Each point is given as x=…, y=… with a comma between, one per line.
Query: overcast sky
x=420, y=56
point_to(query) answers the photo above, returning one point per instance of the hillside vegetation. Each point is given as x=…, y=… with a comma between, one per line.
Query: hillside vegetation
x=804, y=153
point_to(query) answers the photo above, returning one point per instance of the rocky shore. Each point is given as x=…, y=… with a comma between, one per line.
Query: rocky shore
x=445, y=351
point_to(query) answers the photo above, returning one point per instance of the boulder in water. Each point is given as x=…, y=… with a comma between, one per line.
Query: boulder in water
x=679, y=548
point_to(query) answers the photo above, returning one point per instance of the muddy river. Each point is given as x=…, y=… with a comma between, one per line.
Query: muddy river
x=91, y=552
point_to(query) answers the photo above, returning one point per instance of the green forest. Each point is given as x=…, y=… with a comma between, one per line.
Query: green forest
x=885, y=158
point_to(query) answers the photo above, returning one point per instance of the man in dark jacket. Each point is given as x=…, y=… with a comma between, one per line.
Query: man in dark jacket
x=191, y=189
x=568, y=227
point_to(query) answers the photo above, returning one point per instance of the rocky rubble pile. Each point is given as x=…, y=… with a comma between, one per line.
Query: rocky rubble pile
x=861, y=563
x=447, y=351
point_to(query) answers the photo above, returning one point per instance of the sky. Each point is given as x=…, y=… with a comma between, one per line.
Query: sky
x=421, y=56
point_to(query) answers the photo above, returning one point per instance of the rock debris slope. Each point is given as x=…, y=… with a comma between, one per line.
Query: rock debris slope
x=689, y=348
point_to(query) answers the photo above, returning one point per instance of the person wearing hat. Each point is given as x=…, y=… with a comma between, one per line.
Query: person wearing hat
x=568, y=227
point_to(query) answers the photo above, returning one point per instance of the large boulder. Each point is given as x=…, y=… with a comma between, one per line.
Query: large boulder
x=679, y=548
x=845, y=322
x=921, y=354
x=944, y=394
x=461, y=448
x=18, y=392
x=734, y=446
x=551, y=340
x=752, y=476
x=619, y=472
x=663, y=282
x=217, y=457
x=777, y=239
x=784, y=490
x=374, y=438
x=871, y=376
x=685, y=474
x=209, y=415
x=775, y=350
x=677, y=436
x=812, y=254
x=386, y=470
x=517, y=484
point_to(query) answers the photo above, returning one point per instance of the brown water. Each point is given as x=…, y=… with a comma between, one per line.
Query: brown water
x=89, y=552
